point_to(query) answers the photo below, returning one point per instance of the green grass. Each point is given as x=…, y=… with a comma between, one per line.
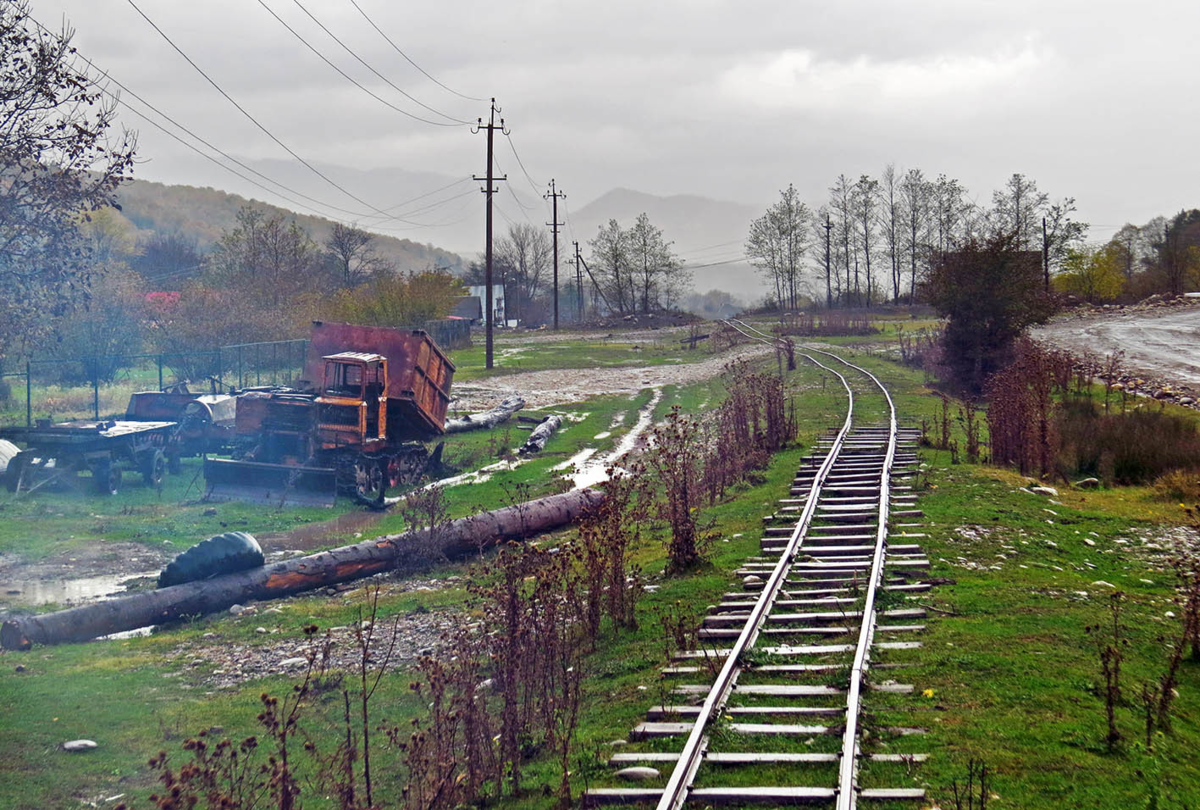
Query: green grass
x=1012, y=673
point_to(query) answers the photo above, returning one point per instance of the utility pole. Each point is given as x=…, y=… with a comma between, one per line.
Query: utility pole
x=1046, y=254
x=579, y=281
x=554, y=194
x=489, y=189
x=828, y=265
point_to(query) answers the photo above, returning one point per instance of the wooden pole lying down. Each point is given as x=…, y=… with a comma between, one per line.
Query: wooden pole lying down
x=488, y=419
x=137, y=610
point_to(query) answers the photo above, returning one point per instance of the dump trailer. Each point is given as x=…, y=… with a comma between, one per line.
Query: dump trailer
x=369, y=402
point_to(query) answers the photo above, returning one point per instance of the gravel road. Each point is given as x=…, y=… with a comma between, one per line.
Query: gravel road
x=1162, y=344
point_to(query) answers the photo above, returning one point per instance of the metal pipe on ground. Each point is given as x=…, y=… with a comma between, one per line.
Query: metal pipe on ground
x=458, y=537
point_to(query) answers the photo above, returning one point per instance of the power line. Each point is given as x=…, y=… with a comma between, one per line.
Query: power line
x=354, y=81
x=362, y=62
x=243, y=111
x=521, y=163
x=396, y=48
x=115, y=97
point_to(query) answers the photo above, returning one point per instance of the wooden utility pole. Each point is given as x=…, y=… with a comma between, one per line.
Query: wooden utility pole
x=579, y=281
x=489, y=189
x=828, y=264
x=1046, y=254
x=554, y=194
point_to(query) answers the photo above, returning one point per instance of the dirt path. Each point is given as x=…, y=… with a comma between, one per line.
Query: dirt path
x=545, y=389
x=1159, y=344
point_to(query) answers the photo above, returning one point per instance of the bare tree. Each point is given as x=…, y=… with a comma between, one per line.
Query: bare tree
x=58, y=163
x=1018, y=208
x=865, y=204
x=660, y=272
x=353, y=253
x=916, y=197
x=841, y=208
x=950, y=210
x=777, y=243
x=892, y=222
x=527, y=251
x=610, y=255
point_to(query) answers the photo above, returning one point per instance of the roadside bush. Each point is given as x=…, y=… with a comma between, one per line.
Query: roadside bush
x=1181, y=486
x=1135, y=447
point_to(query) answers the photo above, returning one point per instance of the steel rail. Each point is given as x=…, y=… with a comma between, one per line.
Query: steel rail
x=676, y=791
x=847, y=795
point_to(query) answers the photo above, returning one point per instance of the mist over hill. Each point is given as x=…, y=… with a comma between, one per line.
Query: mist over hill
x=704, y=232
x=440, y=217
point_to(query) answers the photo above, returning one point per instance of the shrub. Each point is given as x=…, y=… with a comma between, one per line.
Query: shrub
x=1135, y=447
x=1181, y=486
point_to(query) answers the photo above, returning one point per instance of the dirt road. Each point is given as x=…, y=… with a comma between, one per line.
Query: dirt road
x=1161, y=344
x=545, y=389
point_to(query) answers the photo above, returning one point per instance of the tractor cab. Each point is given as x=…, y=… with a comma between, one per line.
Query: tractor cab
x=353, y=399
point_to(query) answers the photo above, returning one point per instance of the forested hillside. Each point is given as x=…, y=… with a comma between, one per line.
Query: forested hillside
x=205, y=213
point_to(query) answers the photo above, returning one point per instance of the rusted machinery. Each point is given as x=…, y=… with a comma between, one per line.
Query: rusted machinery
x=370, y=399
x=204, y=422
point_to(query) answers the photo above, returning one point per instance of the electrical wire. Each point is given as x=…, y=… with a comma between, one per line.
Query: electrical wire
x=536, y=189
x=117, y=98
x=363, y=62
x=396, y=48
x=351, y=79
x=251, y=118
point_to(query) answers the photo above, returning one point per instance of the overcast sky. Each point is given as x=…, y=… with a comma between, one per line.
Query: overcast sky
x=731, y=100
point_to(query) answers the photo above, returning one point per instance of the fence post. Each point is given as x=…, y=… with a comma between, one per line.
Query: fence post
x=258, y=364
x=160, y=386
x=241, y=382
x=28, y=395
x=220, y=374
x=96, y=387
x=274, y=361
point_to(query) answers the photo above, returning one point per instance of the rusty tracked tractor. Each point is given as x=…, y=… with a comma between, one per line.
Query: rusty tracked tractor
x=371, y=398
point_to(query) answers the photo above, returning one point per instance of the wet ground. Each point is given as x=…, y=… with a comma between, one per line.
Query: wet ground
x=556, y=387
x=1162, y=344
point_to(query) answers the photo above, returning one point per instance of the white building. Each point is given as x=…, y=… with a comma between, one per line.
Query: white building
x=498, y=308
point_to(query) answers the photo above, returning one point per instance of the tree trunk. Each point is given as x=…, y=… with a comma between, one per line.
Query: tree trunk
x=540, y=435
x=488, y=419
x=458, y=537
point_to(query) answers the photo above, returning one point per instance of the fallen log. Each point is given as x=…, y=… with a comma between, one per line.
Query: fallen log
x=540, y=435
x=456, y=538
x=488, y=419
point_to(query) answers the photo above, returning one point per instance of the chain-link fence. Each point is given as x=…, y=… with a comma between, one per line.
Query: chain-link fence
x=89, y=387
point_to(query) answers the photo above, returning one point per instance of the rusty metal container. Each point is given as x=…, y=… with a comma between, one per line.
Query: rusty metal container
x=419, y=373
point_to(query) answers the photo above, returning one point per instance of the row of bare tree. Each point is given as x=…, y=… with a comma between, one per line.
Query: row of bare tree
x=875, y=238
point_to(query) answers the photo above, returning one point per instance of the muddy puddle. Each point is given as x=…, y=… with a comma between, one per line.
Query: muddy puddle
x=66, y=592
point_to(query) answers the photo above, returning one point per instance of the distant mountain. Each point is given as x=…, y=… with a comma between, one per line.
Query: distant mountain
x=705, y=232
x=206, y=213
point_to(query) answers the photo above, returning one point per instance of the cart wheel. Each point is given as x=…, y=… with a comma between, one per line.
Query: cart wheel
x=154, y=467
x=106, y=478
x=370, y=484
x=16, y=467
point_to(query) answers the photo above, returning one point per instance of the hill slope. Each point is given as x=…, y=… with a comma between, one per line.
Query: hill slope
x=205, y=213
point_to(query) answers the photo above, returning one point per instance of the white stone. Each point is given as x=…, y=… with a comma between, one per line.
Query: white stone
x=639, y=774
x=79, y=745
x=1044, y=490
x=1102, y=584
x=293, y=662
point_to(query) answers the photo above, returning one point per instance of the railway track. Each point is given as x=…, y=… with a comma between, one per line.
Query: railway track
x=789, y=656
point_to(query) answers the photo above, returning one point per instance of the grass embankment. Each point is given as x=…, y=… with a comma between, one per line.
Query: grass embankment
x=1012, y=674
x=136, y=696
